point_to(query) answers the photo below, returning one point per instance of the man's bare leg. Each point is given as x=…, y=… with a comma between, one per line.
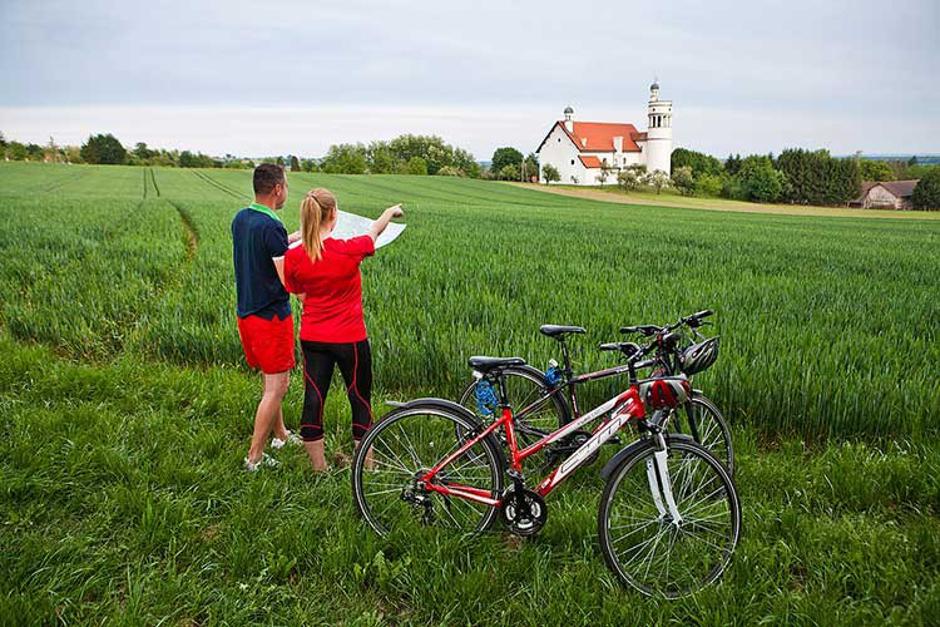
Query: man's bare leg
x=275, y=389
x=280, y=431
x=315, y=450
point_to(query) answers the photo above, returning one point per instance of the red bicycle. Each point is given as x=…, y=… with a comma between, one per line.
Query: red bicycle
x=669, y=517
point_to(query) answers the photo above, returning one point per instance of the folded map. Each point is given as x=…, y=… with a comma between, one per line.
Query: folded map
x=349, y=225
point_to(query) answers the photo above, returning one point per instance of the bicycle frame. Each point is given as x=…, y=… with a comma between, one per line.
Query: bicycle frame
x=623, y=408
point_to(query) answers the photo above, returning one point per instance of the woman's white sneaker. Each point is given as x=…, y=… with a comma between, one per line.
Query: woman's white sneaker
x=292, y=438
x=266, y=460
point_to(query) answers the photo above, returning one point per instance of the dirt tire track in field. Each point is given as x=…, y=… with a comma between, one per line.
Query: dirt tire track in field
x=144, y=177
x=189, y=225
x=153, y=180
x=219, y=186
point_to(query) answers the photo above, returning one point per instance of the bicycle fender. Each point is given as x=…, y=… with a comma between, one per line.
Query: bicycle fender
x=624, y=453
x=443, y=403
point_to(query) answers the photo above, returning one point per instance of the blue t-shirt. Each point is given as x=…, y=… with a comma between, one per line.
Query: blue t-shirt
x=257, y=238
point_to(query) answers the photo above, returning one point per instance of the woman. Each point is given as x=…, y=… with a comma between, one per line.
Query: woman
x=324, y=272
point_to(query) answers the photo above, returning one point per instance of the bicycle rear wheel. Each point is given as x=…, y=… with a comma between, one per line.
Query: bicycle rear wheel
x=701, y=419
x=532, y=405
x=643, y=542
x=403, y=446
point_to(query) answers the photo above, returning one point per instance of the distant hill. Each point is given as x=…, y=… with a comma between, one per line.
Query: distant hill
x=927, y=159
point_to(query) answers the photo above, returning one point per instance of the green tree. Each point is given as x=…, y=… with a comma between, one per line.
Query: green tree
x=550, y=174
x=466, y=163
x=417, y=165
x=605, y=173
x=927, y=192
x=73, y=154
x=759, y=181
x=683, y=180
x=872, y=170
x=506, y=156
x=733, y=164
x=103, y=149
x=294, y=164
x=142, y=152
x=380, y=158
x=187, y=159
x=709, y=185
x=16, y=151
x=631, y=178
x=699, y=162
x=449, y=170
x=658, y=180
x=34, y=152
x=309, y=165
x=530, y=167
x=345, y=159
x=509, y=172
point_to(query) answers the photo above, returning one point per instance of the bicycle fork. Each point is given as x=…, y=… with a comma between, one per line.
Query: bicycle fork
x=657, y=475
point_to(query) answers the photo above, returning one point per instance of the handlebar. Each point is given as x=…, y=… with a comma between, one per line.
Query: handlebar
x=648, y=330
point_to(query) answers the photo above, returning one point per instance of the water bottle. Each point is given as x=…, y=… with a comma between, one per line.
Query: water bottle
x=552, y=373
x=485, y=397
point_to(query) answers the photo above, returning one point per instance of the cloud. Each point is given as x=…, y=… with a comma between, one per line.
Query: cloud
x=743, y=75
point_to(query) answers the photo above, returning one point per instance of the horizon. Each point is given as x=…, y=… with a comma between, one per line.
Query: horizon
x=207, y=78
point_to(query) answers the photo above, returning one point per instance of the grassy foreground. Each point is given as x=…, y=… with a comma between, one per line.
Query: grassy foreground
x=126, y=411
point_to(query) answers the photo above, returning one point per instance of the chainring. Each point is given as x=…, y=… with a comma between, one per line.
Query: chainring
x=524, y=511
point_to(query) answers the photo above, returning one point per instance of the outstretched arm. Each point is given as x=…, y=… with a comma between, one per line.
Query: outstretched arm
x=379, y=226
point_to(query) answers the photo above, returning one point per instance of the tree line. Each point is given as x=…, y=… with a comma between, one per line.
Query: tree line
x=796, y=176
x=405, y=154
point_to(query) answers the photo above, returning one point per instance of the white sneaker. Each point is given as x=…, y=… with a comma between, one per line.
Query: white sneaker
x=292, y=438
x=266, y=460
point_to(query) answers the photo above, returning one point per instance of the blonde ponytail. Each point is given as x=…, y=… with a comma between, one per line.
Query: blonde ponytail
x=317, y=207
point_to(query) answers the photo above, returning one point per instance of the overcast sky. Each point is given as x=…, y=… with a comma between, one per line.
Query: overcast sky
x=278, y=77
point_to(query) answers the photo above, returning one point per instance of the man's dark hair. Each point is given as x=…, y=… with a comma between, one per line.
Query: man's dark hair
x=267, y=175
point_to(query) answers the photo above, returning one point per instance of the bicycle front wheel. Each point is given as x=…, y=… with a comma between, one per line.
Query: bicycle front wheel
x=401, y=448
x=668, y=549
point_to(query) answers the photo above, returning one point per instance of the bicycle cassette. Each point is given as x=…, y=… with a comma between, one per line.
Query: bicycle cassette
x=524, y=512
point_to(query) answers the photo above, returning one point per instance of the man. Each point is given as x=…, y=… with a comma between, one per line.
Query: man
x=265, y=324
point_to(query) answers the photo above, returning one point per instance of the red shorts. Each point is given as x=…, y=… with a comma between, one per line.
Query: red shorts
x=268, y=344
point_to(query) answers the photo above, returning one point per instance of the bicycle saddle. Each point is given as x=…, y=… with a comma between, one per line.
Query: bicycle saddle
x=559, y=330
x=489, y=364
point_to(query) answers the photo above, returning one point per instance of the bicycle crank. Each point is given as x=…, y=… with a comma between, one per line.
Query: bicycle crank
x=524, y=511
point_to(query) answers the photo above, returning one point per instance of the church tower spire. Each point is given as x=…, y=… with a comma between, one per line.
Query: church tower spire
x=658, y=132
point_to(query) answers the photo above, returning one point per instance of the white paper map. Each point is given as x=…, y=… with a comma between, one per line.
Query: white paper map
x=349, y=225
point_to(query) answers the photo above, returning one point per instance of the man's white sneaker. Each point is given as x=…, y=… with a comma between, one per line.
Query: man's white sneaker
x=266, y=460
x=292, y=438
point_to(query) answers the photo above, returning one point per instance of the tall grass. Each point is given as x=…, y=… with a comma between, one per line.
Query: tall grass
x=829, y=325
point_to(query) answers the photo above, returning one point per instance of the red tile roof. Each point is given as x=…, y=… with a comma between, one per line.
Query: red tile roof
x=590, y=161
x=599, y=136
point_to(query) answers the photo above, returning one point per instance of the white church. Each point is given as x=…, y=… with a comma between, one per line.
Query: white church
x=579, y=149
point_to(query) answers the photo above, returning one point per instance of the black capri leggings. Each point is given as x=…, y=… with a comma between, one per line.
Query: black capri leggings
x=355, y=363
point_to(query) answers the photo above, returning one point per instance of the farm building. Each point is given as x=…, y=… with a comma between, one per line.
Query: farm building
x=885, y=195
x=579, y=149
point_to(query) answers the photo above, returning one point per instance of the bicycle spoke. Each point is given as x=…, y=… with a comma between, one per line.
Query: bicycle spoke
x=652, y=551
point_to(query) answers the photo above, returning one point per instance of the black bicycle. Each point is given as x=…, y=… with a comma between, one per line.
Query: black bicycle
x=547, y=400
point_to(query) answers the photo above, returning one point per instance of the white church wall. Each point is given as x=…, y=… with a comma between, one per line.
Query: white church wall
x=560, y=152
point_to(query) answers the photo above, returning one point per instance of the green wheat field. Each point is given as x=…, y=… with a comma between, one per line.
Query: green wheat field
x=126, y=408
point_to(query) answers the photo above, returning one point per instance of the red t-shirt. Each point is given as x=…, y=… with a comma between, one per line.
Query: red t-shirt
x=333, y=289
